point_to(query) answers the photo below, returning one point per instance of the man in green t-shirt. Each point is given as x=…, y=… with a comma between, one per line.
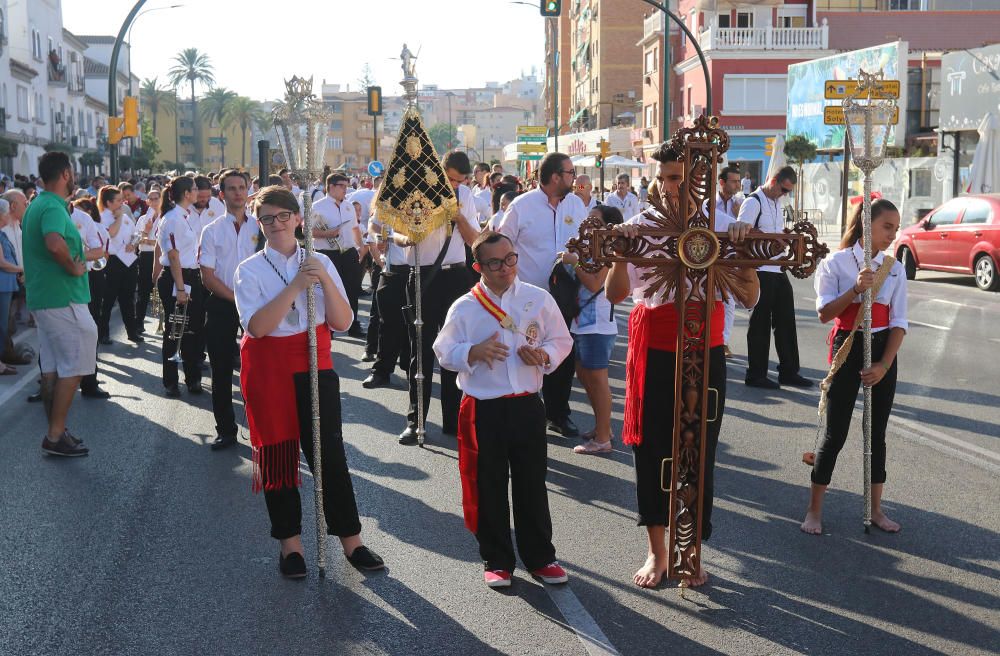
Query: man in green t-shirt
x=57, y=289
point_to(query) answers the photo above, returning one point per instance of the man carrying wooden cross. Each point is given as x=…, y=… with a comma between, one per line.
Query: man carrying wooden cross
x=650, y=370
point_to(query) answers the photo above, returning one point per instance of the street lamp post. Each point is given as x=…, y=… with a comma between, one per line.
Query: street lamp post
x=113, y=87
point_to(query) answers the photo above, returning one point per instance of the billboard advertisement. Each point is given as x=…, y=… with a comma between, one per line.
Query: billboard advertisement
x=805, y=91
x=971, y=87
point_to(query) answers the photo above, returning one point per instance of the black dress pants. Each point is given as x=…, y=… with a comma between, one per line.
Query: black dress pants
x=284, y=506
x=445, y=288
x=840, y=407
x=393, y=342
x=98, y=282
x=374, y=324
x=192, y=341
x=557, y=386
x=351, y=274
x=121, y=286
x=512, y=446
x=144, y=288
x=221, y=324
x=774, y=311
x=652, y=474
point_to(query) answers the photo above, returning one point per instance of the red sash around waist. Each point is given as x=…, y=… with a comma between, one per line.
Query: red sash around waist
x=845, y=321
x=654, y=328
x=267, y=367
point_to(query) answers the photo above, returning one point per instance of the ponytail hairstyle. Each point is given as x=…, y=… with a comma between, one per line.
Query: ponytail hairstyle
x=855, y=225
x=174, y=192
x=105, y=195
x=88, y=205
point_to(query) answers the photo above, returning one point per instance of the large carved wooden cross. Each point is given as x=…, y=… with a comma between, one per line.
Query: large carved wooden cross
x=686, y=257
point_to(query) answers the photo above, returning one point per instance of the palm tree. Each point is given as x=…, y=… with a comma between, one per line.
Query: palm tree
x=192, y=66
x=215, y=109
x=244, y=112
x=157, y=98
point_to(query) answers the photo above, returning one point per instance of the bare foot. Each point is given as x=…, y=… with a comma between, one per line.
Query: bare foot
x=884, y=523
x=699, y=580
x=813, y=524
x=649, y=575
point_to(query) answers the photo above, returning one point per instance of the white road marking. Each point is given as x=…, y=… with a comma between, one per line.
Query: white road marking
x=582, y=623
x=16, y=387
x=938, y=435
x=937, y=446
x=928, y=325
x=942, y=300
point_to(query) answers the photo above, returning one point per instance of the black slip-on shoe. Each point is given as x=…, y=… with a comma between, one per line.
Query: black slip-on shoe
x=173, y=392
x=795, y=380
x=408, y=437
x=224, y=442
x=763, y=383
x=365, y=559
x=375, y=380
x=292, y=566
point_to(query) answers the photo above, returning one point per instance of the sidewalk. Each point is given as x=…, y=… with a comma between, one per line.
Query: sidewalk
x=11, y=386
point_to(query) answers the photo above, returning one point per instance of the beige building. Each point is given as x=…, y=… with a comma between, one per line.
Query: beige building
x=558, y=86
x=219, y=148
x=350, y=133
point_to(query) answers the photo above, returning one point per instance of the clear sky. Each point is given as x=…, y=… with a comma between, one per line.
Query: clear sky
x=253, y=44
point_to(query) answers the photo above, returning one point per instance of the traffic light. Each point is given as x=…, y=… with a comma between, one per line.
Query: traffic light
x=605, y=147
x=550, y=8
x=769, y=146
x=130, y=112
x=116, y=129
x=599, y=161
x=374, y=101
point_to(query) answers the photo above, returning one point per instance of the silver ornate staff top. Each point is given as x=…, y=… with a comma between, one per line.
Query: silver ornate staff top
x=409, y=81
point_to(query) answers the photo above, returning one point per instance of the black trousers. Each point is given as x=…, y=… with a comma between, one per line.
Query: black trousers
x=446, y=287
x=284, y=506
x=374, y=324
x=774, y=311
x=144, y=287
x=98, y=282
x=122, y=281
x=557, y=386
x=351, y=274
x=840, y=407
x=652, y=474
x=221, y=325
x=393, y=342
x=192, y=342
x=512, y=445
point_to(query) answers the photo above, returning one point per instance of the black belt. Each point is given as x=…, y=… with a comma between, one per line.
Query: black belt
x=396, y=269
x=444, y=267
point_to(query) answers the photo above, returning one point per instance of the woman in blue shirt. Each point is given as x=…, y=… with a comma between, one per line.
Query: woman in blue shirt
x=9, y=270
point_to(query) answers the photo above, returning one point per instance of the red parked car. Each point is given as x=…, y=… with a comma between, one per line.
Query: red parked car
x=961, y=236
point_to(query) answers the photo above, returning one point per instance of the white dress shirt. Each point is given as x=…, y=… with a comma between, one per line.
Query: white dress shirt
x=335, y=215
x=13, y=232
x=539, y=231
x=629, y=205
x=432, y=244
x=119, y=243
x=222, y=248
x=725, y=211
x=94, y=235
x=394, y=254
x=363, y=197
x=201, y=218
x=593, y=203
x=771, y=217
x=839, y=272
x=177, y=232
x=141, y=226
x=483, y=199
x=257, y=284
x=746, y=186
x=539, y=324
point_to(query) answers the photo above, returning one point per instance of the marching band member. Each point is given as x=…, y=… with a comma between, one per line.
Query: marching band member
x=122, y=269
x=501, y=338
x=225, y=242
x=270, y=290
x=841, y=280
x=341, y=240
x=95, y=237
x=649, y=380
x=179, y=283
x=147, y=225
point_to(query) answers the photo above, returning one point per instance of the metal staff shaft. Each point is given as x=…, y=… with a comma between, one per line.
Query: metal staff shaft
x=314, y=391
x=866, y=221
x=418, y=323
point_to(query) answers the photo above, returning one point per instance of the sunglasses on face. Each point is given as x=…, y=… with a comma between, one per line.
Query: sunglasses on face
x=268, y=219
x=497, y=263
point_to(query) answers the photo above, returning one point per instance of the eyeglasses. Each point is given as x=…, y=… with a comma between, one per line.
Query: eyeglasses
x=268, y=219
x=571, y=172
x=498, y=263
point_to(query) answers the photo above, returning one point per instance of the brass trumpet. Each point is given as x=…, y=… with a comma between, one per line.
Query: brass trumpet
x=178, y=326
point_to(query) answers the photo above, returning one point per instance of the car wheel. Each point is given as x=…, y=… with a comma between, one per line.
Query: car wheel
x=909, y=264
x=986, y=273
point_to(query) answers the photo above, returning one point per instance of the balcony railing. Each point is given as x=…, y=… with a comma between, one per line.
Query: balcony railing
x=652, y=24
x=765, y=38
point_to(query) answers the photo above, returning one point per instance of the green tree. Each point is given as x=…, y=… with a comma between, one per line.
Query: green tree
x=244, y=112
x=150, y=144
x=443, y=134
x=193, y=66
x=155, y=98
x=367, y=79
x=215, y=109
x=799, y=150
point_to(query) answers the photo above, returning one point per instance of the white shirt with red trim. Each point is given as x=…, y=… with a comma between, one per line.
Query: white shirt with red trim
x=176, y=232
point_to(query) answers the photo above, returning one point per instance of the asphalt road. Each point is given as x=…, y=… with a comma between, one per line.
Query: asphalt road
x=155, y=545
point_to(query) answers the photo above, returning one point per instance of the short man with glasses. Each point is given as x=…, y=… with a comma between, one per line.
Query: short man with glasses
x=539, y=222
x=501, y=338
x=337, y=232
x=623, y=198
x=776, y=307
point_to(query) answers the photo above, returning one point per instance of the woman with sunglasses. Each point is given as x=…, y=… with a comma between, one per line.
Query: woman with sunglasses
x=270, y=289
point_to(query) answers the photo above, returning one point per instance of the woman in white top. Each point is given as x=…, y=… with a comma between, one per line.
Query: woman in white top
x=147, y=225
x=122, y=269
x=594, y=331
x=270, y=289
x=841, y=280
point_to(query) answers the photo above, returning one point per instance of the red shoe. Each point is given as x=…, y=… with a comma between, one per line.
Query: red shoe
x=497, y=578
x=551, y=573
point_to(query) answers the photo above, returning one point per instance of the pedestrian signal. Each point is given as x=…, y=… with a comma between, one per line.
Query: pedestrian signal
x=374, y=101
x=551, y=7
x=130, y=112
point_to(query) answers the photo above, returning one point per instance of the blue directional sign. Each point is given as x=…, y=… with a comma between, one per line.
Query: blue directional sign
x=376, y=168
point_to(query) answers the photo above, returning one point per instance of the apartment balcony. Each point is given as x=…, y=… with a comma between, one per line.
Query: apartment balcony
x=652, y=25
x=765, y=38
